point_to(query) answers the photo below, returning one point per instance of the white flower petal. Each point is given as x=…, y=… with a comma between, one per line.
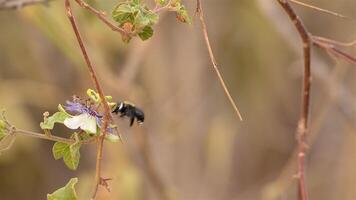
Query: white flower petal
x=73, y=122
x=83, y=121
x=89, y=124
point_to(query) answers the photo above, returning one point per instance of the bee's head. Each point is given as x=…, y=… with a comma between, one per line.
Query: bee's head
x=119, y=107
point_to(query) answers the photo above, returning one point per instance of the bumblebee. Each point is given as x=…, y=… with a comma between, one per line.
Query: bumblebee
x=127, y=109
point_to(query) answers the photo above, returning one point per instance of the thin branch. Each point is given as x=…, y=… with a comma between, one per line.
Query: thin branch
x=304, y=117
x=102, y=97
x=329, y=46
x=334, y=42
x=102, y=17
x=43, y=136
x=50, y=137
x=200, y=12
x=319, y=9
x=15, y=4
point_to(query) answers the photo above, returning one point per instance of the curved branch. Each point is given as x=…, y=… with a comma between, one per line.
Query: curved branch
x=200, y=12
x=304, y=117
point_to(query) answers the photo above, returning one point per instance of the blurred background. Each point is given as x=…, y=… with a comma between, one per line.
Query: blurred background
x=191, y=146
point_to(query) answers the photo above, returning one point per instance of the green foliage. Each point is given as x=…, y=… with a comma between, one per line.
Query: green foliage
x=65, y=193
x=69, y=152
x=146, y=33
x=58, y=117
x=182, y=13
x=135, y=17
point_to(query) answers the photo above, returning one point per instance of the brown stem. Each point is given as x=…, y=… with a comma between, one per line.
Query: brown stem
x=50, y=137
x=101, y=94
x=333, y=42
x=102, y=17
x=304, y=117
x=319, y=9
x=43, y=136
x=200, y=12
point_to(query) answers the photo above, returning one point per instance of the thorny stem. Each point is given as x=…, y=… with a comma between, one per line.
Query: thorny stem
x=200, y=12
x=102, y=97
x=304, y=117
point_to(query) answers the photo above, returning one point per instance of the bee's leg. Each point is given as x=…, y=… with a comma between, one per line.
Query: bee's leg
x=122, y=114
x=132, y=119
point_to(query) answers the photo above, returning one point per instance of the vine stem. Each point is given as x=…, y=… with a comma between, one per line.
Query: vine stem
x=49, y=137
x=96, y=83
x=304, y=117
x=43, y=136
x=200, y=12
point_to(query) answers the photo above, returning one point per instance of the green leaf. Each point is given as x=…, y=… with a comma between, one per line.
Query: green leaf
x=69, y=152
x=65, y=193
x=58, y=149
x=124, y=13
x=57, y=117
x=152, y=17
x=146, y=33
x=142, y=20
x=71, y=156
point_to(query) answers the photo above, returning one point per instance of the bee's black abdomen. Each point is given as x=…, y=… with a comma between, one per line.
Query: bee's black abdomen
x=140, y=116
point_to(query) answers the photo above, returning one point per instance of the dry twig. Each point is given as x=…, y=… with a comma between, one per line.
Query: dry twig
x=319, y=9
x=200, y=12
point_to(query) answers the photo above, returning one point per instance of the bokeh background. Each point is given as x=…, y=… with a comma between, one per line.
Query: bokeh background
x=192, y=146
